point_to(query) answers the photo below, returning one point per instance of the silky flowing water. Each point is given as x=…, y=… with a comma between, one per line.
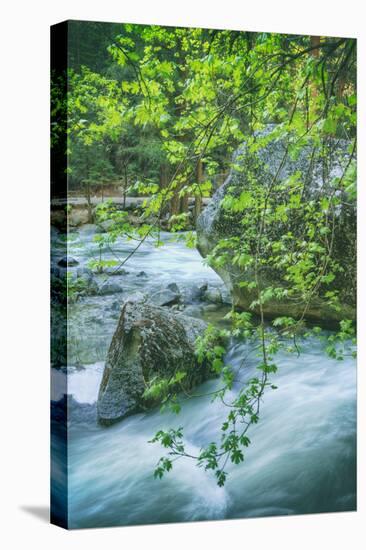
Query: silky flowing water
x=303, y=452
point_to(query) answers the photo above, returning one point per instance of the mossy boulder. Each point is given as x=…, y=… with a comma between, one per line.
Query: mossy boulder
x=150, y=343
x=262, y=165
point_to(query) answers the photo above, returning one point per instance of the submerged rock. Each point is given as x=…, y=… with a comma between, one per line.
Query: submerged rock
x=150, y=343
x=114, y=271
x=174, y=288
x=85, y=281
x=194, y=293
x=165, y=297
x=88, y=229
x=69, y=284
x=269, y=162
x=68, y=261
x=84, y=272
x=109, y=288
x=209, y=308
x=193, y=310
x=212, y=295
x=116, y=306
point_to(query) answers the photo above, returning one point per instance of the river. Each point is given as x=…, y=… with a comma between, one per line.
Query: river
x=303, y=453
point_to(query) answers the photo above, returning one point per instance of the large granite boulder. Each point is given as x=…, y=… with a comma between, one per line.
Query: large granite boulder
x=150, y=343
x=270, y=161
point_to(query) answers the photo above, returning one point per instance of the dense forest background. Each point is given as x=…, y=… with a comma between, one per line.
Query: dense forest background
x=155, y=109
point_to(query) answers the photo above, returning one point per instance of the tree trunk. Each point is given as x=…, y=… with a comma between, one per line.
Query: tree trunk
x=90, y=206
x=198, y=195
x=175, y=203
x=315, y=42
x=88, y=191
x=184, y=201
x=163, y=176
x=125, y=186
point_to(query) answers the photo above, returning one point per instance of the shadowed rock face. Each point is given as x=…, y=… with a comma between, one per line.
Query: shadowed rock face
x=271, y=161
x=149, y=342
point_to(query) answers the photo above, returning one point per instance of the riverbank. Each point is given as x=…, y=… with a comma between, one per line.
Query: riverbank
x=76, y=211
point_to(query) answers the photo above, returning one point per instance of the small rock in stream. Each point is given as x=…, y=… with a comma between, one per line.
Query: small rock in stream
x=212, y=295
x=68, y=261
x=194, y=293
x=115, y=270
x=165, y=297
x=174, y=288
x=109, y=288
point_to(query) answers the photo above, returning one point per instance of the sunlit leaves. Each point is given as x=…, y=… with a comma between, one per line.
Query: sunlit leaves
x=190, y=98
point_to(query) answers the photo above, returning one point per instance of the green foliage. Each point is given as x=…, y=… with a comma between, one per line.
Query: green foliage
x=164, y=116
x=164, y=390
x=341, y=343
x=73, y=287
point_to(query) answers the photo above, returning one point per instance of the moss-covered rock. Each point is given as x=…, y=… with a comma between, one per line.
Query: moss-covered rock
x=262, y=166
x=150, y=343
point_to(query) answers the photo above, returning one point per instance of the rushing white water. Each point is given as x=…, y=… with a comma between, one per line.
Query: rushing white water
x=302, y=456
